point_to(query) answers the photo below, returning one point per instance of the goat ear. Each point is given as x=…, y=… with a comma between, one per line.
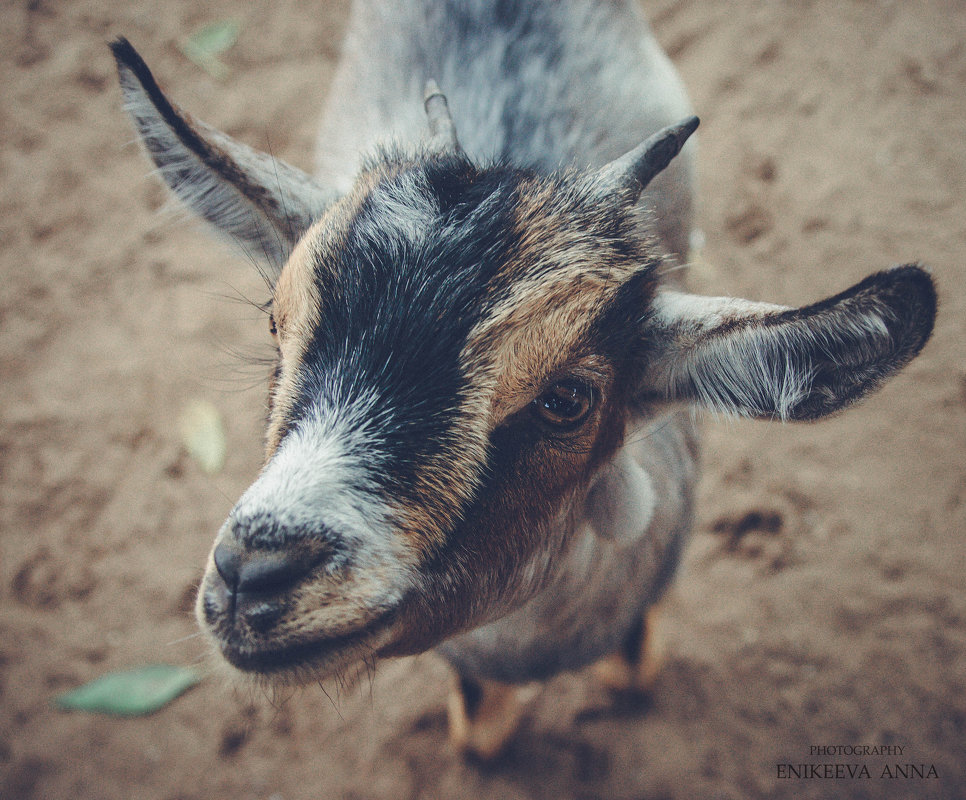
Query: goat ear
x=766, y=361
x=262, y=203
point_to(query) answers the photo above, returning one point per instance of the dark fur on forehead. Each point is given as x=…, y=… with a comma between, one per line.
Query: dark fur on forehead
x=400, y=294
x=619, y=332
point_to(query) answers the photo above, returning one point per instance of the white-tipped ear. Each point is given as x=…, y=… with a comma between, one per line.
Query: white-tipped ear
x=767, y=361
x=259, y=201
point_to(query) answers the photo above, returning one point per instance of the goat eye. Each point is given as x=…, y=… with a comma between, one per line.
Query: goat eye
x=565, y=405
x=272, y=327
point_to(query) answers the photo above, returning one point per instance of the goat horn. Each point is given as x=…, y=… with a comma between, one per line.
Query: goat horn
x=634, y=170
x=442, y=132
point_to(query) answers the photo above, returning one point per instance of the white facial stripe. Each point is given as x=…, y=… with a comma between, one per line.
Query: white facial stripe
x=320, y=477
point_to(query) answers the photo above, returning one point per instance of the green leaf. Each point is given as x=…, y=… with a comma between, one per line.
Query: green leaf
x=203, y=435
x=207, y=43
x=215, y=38
x=132, y=692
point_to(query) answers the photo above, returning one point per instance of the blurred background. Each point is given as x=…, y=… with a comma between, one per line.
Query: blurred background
x=822, y=597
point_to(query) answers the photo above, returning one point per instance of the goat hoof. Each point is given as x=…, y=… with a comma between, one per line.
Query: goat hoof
x=635, y=669
x=484, y=715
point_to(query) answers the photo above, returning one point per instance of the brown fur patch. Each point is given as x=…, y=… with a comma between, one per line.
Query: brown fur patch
x=562, y=277
x=445, y=484
x=297, y=307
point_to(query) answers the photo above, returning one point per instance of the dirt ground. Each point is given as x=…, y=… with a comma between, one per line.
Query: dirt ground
x=822, y=599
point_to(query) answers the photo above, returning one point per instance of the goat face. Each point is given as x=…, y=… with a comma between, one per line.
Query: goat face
x=459, y=349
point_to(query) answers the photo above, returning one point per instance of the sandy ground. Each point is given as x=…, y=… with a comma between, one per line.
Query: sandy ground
x=822, y=599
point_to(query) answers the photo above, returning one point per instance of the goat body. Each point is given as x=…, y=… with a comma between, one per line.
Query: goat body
x=479, y=435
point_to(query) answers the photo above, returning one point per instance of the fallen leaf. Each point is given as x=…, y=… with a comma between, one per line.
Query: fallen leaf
x=203, y=435
x=132, y=692
x=205, y=45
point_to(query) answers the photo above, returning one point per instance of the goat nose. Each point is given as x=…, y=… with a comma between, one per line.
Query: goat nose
x=228, y=560
x=260, y=570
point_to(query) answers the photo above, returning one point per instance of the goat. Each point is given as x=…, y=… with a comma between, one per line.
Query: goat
x=481, y=436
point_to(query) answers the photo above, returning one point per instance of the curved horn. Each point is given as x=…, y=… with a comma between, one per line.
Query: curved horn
x=442, y=132
x=634, y=170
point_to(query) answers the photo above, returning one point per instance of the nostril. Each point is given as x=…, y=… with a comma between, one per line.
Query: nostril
x=253, y=570
x=272, y=571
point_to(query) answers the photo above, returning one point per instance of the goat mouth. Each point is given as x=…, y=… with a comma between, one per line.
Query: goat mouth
x=315, y=657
